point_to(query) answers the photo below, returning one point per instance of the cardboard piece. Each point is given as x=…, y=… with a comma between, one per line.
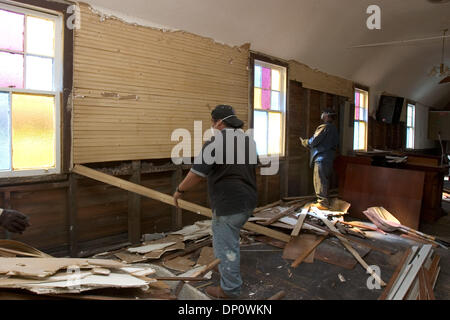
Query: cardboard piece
x=206, y=256
x=182, y=264
x=299, y=245
x=44, y=267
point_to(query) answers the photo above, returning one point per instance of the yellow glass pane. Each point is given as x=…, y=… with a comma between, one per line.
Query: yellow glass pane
x=33, y=132
x=276, y=80
x=258, y=98
x=362, y=135
x=275, y=133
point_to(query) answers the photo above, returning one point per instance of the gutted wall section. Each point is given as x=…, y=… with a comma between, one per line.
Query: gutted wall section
x=134, y=85
x=320, y=81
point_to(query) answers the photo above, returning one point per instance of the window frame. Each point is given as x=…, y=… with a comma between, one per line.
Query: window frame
x=413, y=127
x=366, y=122
x=58, y=66
x=283, y=68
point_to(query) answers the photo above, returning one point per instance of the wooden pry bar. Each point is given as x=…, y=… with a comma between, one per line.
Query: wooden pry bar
x=156, y=195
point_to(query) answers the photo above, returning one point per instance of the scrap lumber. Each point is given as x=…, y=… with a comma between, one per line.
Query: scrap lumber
x=301, y=220
x=197, y=274
x=362, y=243
x=358, y=225
x=189, y=249
x=397, y=271
x=331, y=251
x=155, y=195
x=282, y=214
x=347, y=245
x=271, y=205
x=303, y=256
x=403, y=284
x=298, y=245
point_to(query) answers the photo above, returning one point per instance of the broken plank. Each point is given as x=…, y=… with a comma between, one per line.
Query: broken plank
x=299, y=225
x=302, y=257
x=347, y=245
x=159, y=196
x=395, y=275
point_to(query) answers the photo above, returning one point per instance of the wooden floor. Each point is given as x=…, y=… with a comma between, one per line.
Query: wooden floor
x=265, y=272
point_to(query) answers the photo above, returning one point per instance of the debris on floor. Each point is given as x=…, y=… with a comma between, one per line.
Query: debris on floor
x=415, y=277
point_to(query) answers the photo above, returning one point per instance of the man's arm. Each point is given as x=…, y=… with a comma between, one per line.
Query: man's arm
x=191, y=180
x=318, y=136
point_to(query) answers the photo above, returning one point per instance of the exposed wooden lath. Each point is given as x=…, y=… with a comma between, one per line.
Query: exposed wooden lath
x=134, y=85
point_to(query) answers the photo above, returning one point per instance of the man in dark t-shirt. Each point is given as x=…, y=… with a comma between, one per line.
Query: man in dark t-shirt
x=228, y=161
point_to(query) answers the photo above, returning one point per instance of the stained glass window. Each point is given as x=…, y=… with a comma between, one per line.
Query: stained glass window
x=39, y=75
x=5, y=132
x=410, y=126
x=29, y=121
x=11, y=30
x=361, y=118
x=11, y=70
x=269, y=105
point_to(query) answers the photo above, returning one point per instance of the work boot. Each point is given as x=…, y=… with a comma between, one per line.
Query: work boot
x=321, y=206
x=217, y=293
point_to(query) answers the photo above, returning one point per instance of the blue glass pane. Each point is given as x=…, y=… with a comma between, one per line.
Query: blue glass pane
x=258, y=76
x=275, y=101
x=260, y=132
x=5, y=132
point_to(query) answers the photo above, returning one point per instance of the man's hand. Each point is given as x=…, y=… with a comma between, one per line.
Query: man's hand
x=177, y=195
x=14, y=221
x=305, y=143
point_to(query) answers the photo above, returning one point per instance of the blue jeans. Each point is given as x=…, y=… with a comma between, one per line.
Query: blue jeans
x=226, y=237
x=323, y=171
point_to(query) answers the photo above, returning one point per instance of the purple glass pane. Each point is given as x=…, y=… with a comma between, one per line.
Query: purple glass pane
x=266, y=100
x=357, y=113
x=357, y=99
x=11, y=70
x=11, y=30
x=266, y=78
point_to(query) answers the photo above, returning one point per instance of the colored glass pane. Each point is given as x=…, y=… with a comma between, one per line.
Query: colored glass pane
x=39, y=73
x=362, y=135
x=265, y=99
x=357, y=113
x=260, y=132
x=258, y=76
x=5, y=132
x=40, y=36
x=275, y=104
x=275, y=126
x=33, y=134
x=11, y=70
x=357, y=99
x=362, y=114
x=257, y=98
x=266, y=78
x=11, y=30
x=356, y=136
x=276, y=80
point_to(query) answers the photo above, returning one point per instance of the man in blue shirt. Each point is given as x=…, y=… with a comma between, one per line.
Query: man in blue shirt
x=323, y=146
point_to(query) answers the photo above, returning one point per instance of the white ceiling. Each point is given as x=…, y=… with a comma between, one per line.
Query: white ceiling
x=320, y=33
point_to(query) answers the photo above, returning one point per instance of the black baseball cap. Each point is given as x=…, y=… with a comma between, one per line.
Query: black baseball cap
x=226, y=114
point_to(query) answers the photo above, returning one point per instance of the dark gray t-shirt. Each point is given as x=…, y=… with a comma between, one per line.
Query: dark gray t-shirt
x=229, y=163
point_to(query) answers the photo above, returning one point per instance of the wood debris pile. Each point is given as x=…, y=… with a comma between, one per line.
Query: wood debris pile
x=23, y=267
